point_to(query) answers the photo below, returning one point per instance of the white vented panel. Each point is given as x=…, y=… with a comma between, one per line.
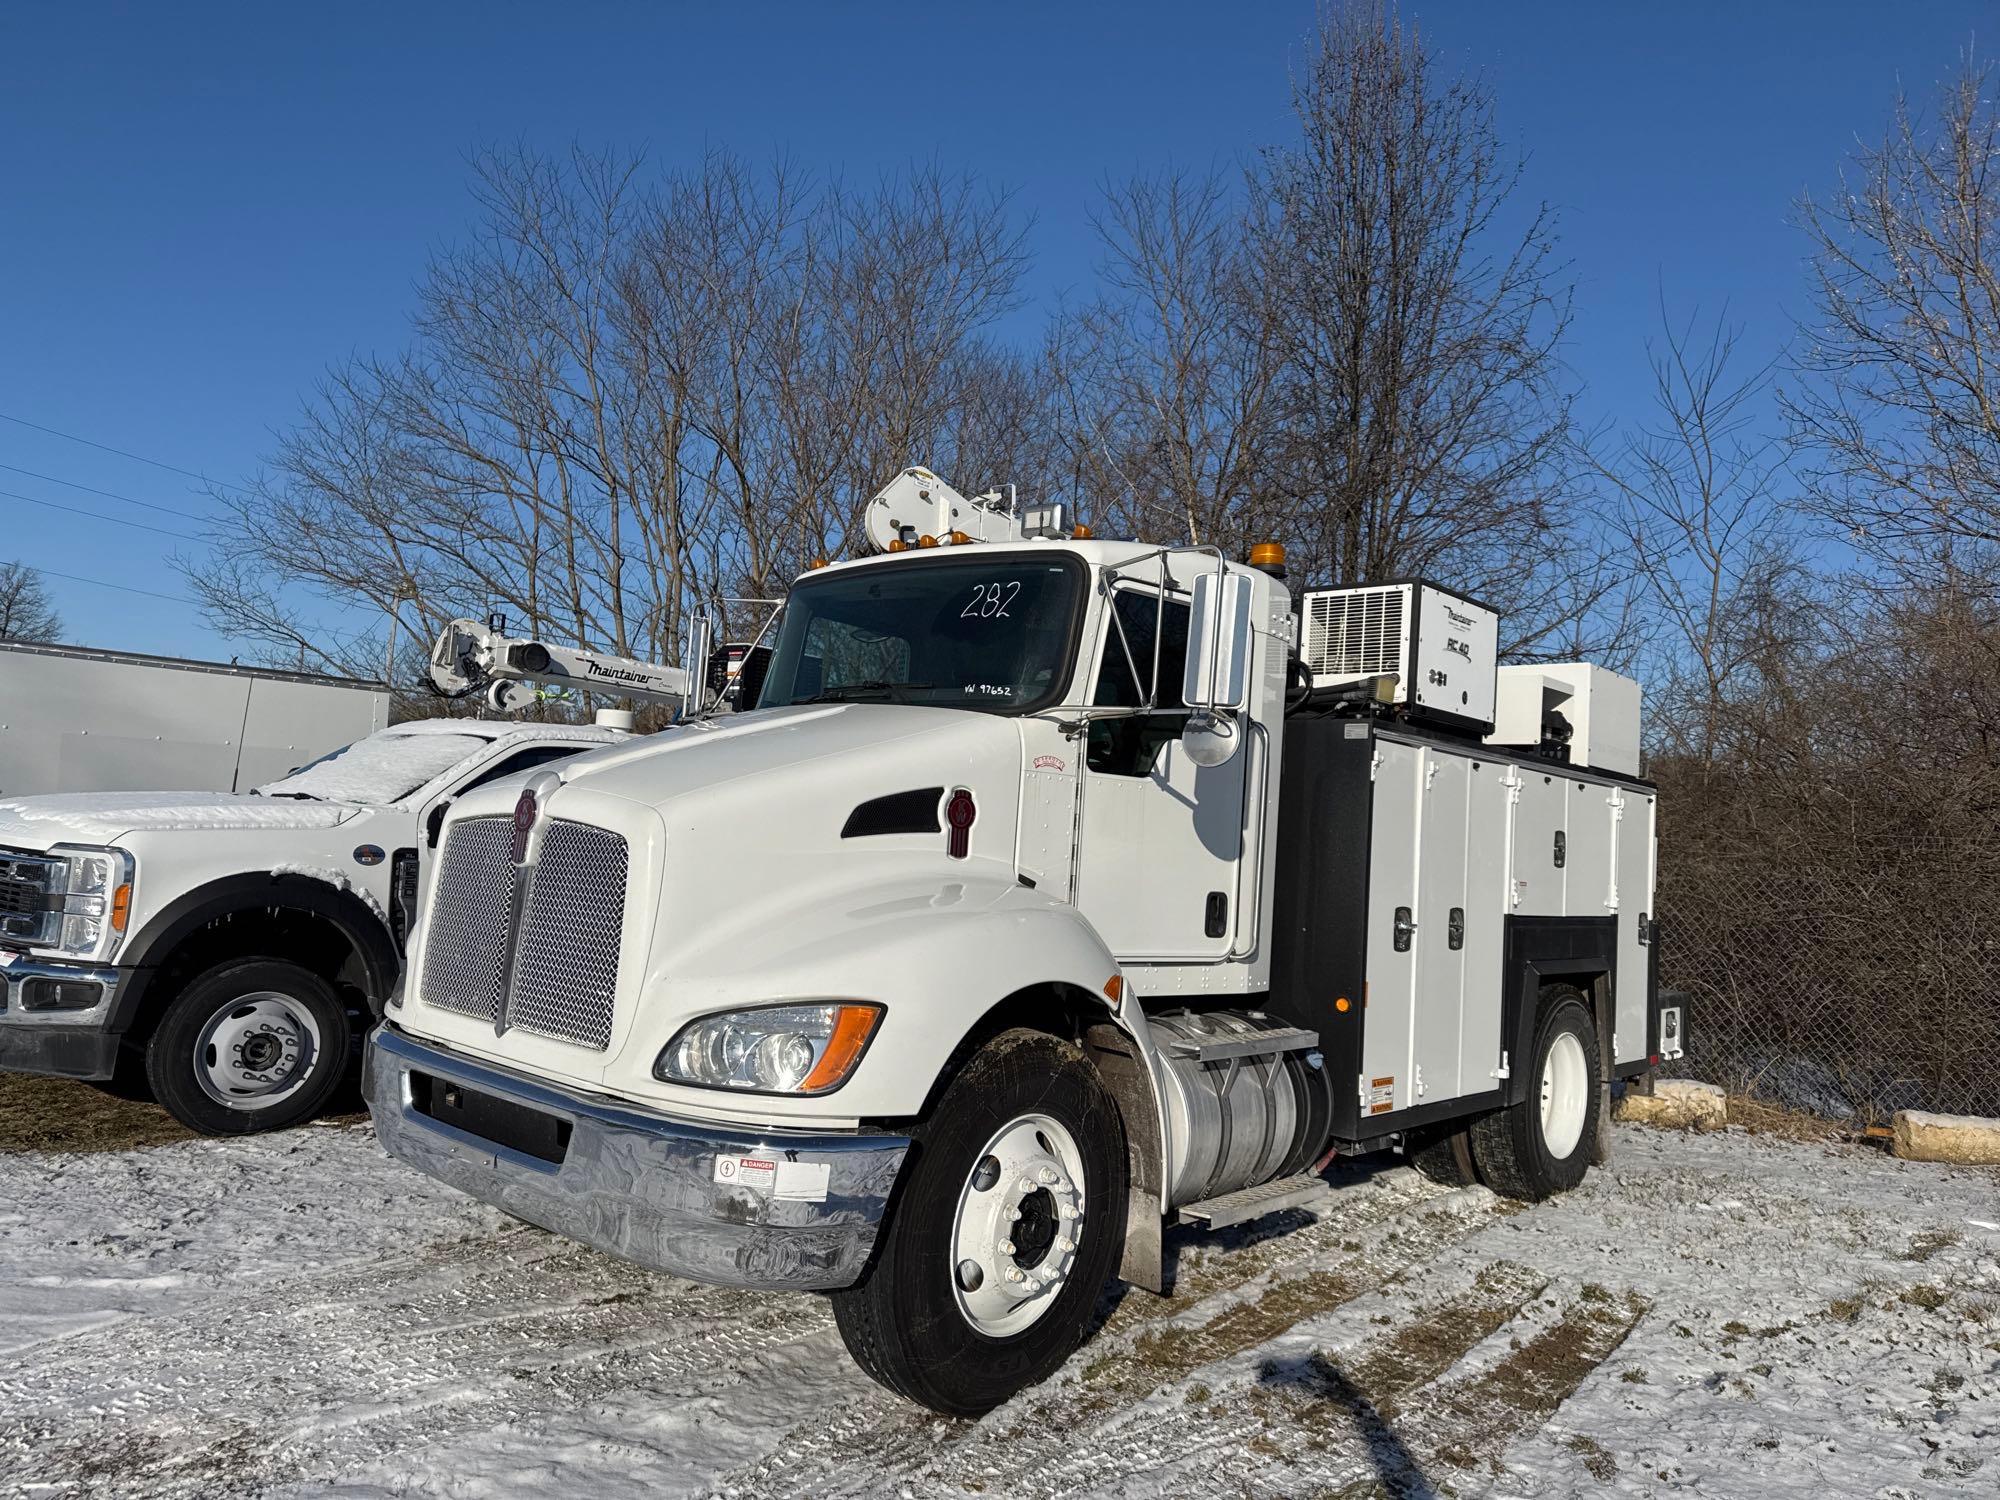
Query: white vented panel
x=1355, y=632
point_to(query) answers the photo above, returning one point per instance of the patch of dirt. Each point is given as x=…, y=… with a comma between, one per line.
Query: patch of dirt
x=60, y=1114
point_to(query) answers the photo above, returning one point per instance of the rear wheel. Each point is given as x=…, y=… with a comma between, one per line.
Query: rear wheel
x=1544, y=1144
x=1008, y=1224
x=253, y=1044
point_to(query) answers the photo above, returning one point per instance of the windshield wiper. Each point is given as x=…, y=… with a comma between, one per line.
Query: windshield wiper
x=294, y=796
x=848, y=692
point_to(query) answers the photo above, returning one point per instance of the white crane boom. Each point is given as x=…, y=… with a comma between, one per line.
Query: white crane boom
x=470, y=656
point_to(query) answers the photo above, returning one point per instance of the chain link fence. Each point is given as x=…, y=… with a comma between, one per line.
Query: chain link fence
x=1850, y=982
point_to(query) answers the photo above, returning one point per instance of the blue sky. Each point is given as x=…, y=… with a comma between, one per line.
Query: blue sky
x=203, y=206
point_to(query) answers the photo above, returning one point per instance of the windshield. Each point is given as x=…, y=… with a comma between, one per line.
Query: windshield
x=385, y=767
x=990, y=633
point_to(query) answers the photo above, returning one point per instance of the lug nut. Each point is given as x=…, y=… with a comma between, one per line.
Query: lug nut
x=1047, y=1175
x=1016, y=1274
x=1006, y=1247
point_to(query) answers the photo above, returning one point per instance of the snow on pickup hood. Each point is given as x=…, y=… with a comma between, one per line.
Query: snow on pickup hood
x=100, y=817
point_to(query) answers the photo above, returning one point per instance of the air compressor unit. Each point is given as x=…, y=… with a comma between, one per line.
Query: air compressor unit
x=1442, y=648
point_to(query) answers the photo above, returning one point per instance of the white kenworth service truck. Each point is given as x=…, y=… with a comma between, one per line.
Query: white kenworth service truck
x=1057, y=891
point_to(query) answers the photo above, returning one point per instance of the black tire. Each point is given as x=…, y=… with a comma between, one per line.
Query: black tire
x=1444, y=1155
x=902, y=1322
x=305, y=1077
x=1510, y=1146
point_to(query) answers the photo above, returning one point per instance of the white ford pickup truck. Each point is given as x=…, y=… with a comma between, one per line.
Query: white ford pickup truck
x=1058, y=890
x=227, y=952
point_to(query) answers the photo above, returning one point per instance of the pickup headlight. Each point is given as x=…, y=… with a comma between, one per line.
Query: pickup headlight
x=72, y=902
x=774, y=1049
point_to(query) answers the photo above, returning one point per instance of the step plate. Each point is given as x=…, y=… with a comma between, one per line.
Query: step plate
x=1244, y=1044
x=1254, y=1202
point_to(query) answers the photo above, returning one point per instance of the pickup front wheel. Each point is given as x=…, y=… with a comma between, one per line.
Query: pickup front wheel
x=253, y=1044
x=1007, y=1226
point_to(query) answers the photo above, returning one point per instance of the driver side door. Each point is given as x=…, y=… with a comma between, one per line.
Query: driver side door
x=1160, y=839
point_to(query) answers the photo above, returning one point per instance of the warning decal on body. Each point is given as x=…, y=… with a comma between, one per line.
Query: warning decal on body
x=1381, y=1095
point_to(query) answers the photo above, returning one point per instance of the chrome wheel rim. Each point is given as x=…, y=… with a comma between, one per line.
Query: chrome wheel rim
x=1565, y=1095
x=257, y=1051
x=1020, y=1220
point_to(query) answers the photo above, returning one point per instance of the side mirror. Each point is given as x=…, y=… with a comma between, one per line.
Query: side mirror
x=1209, y=739
x=1219, y=646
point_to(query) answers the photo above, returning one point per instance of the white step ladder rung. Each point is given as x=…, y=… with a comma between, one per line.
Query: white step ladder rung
x=1228, y=1044
x=1254, y=1202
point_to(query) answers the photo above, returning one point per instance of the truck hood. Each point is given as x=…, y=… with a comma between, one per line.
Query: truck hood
x=709, y=755
x=105, y=817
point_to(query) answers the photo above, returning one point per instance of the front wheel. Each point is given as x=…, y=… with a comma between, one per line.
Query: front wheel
x=1008, y=1224
x=254, y=1044
x=1544, y=1144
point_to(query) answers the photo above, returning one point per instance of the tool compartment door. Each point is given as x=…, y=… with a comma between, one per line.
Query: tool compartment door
x=1394, y=930
x=1488, y=882
x=1440, y=938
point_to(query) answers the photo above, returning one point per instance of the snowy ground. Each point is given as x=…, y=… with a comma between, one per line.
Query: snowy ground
x=1715, y=1315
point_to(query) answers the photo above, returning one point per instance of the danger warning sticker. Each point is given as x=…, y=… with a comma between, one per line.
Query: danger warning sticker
x=795, y=1181
x=747, y=1171
x=1381, y=1095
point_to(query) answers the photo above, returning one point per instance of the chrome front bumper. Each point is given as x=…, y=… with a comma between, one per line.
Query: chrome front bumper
x=782, y=1210
x=75, y=1042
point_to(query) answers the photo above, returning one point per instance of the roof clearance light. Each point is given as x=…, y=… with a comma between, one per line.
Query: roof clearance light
x=816, y=564
x=959, y=539
x=926, y=541
x=1081, y=532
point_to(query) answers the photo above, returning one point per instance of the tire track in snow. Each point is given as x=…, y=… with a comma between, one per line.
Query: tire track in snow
x=309, y=1378
x=1224, y=1304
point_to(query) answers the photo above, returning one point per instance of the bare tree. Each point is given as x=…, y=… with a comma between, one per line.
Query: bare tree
x=25, y=611
x=1698, y=498
x=1901, y=405
x=627, y=400
x=1165, y=384
x=1422, y=426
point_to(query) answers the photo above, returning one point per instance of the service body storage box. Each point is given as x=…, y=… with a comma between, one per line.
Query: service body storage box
x=1413, y=871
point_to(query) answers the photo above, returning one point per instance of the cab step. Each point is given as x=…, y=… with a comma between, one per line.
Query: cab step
x=1254, y=1202
x=1243, y=1044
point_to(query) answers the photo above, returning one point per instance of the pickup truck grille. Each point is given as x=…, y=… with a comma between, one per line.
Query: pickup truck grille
x=563, y=974
x=25, y=883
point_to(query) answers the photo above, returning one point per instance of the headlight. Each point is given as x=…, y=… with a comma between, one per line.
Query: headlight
x=775, y=1049
x=80, y=899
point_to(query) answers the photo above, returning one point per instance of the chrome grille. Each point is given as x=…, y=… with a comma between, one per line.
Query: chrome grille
x=471, y=919
x=566, y=962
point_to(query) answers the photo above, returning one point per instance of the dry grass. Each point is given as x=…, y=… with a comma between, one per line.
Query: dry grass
x=1761, y=1118
x=59, y=1114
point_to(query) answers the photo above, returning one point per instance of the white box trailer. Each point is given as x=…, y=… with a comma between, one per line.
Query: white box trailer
x=77, y=720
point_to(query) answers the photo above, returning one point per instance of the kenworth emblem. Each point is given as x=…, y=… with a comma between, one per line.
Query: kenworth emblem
x=524, y=822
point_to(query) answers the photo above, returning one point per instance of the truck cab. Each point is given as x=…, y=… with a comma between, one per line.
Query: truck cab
x=962, y=967
x=226, y=952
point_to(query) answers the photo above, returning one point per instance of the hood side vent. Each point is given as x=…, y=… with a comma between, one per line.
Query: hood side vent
x=899, y=812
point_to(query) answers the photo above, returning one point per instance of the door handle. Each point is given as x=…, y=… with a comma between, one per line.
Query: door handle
x=1406, y=928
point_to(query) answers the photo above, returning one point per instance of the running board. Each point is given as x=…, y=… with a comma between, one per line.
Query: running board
x=1254, y=1202
x=1243, y=1044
